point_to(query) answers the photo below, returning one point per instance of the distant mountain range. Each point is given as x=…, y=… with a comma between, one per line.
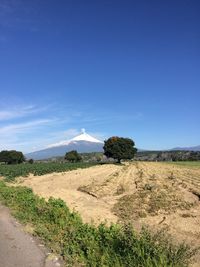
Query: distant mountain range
x=83, y=143
x=193, y=148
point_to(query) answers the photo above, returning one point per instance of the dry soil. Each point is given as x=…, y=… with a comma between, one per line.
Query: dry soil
x=154, y=194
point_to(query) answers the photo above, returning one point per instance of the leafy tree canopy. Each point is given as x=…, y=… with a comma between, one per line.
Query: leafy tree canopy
x=119, y=148
x=11, y=157
x=73, y=156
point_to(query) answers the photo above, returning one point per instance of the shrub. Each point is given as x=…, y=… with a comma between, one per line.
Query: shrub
x=73, y=156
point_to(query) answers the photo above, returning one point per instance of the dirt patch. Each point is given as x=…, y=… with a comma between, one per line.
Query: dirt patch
x=154, y=194
x=67, y=187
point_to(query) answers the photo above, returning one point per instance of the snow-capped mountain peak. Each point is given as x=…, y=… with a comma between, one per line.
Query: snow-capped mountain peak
x=82, y=137
x=85, y=137
x=83, y=143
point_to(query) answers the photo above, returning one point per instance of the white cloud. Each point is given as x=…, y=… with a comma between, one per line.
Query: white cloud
x=20, y=135
x=30, y=127
x=20, y=111
x=27, y=127
x=21, y=127
x=32, y=135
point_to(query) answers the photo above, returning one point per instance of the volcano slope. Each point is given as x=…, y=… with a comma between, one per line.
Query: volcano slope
x=158, y=195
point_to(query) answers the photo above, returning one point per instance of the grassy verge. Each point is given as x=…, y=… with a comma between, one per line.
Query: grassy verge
x=188, y=164
x=85, y=245
x=10, y=172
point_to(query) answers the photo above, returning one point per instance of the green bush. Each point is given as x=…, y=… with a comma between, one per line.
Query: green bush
x=73, y=156
x=79, y=243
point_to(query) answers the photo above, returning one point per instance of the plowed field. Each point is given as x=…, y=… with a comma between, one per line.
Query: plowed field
x=154, y=194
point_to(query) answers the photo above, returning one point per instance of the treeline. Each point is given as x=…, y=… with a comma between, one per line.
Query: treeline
x=11, y=157
x=117, y=148
x=168, y=155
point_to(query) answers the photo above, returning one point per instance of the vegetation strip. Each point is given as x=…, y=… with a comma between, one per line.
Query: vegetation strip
x=10, y=172
x=82, y=244
x=187, y=164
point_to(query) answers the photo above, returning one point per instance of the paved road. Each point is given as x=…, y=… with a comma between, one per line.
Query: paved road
x=19, y=249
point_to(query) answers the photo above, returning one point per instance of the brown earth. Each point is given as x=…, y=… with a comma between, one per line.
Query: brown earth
x=154, y=194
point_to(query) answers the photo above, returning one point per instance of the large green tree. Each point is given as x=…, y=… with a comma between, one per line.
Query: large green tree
x=119, y=148
x=11, y=157
x=73, y=156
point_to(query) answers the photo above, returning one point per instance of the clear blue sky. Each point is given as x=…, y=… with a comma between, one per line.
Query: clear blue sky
x=127, y=68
